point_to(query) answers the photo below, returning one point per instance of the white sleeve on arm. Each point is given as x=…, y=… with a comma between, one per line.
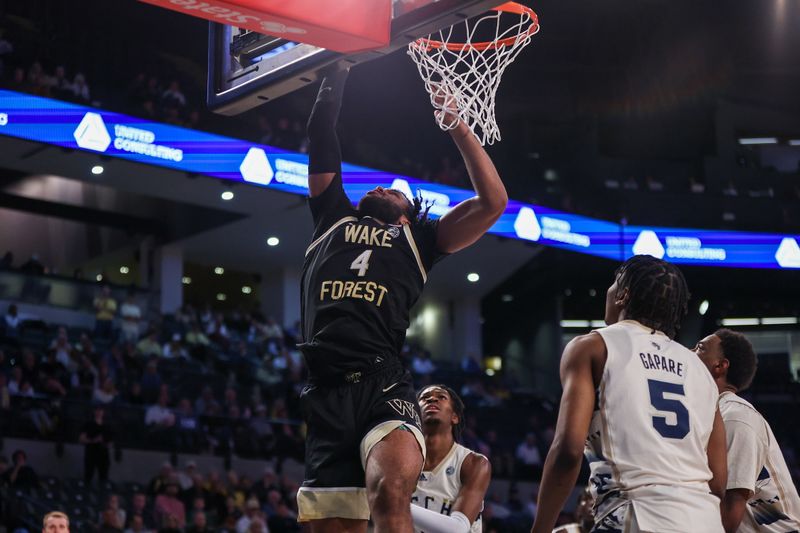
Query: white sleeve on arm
x=433, y=522
x=743, y=456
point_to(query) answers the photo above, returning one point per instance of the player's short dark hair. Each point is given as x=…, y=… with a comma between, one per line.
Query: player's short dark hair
x=457, y=403
x=742, y=359
x=658, y=296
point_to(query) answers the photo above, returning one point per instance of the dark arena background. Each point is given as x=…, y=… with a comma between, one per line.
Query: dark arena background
x=666, y=128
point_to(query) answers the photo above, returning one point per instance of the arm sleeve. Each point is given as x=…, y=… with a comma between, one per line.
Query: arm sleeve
x=330, y=207
x=433, y=522
x=743, y=456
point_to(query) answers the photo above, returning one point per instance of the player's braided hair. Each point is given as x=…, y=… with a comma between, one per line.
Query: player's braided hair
x=455, y=401
x=657, y=293
x=742, y=360
x=417, y=211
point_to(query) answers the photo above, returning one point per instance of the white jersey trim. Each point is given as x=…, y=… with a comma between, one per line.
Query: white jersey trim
x=413, y=244
x=330, y=230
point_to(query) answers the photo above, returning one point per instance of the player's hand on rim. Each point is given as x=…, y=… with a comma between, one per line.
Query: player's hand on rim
x=446, y=107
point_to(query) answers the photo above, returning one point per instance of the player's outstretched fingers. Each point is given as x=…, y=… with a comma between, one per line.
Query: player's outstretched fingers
x=446, y=106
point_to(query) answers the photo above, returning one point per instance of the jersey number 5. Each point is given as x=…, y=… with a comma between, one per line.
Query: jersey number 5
x=361, y=264
x=680, y=428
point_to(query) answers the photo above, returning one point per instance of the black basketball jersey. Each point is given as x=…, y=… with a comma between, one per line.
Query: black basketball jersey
x=360, y=280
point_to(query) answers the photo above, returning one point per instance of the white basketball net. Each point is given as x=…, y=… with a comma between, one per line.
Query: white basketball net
x=469, y=75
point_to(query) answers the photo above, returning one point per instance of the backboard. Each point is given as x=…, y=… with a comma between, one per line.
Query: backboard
x=247, y=69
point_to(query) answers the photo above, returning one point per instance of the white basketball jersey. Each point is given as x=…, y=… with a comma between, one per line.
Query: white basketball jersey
x=755, y=463
x=438, y=489
x=649, y=433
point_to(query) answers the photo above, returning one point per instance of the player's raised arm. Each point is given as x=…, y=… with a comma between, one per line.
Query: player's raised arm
x=471, y=219
x=574, y=415
x=324, y=152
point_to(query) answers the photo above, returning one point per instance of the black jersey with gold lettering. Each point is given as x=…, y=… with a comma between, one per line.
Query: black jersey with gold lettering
x=360, y=280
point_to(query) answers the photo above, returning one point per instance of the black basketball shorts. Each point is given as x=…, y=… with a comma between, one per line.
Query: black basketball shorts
x=344, y=423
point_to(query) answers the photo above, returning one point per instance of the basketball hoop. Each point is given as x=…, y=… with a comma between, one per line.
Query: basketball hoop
x=454, y=62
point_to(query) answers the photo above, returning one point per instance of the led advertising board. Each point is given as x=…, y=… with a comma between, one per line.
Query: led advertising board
x=121, y=136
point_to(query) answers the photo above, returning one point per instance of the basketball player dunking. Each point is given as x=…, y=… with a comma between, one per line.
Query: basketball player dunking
x=363, y=270
x=760, y=496
x=451, y=488
x=653, y=436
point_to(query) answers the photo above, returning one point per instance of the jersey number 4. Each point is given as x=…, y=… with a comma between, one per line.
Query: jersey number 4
x=680, y=428
x=361, y=264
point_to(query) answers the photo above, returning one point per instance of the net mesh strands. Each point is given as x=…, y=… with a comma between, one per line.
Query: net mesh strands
x=464, y=75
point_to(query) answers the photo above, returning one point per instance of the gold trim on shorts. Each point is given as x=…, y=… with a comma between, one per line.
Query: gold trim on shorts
x=379, y=432
x=316, y=503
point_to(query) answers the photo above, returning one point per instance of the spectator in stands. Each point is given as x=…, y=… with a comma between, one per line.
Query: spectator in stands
x=230, y=513
x=7, y=261
x=218, y=331
x=112, y=517
x=206, y=404
x=12, y=322
x=215, y=494
x=84, y=379
x=97, y=438
x=149, y=344
x=173, y=96
x=421, y=364
x=63, y=350
x=631, y=184
x=136, y=525
x=20, y=475
x=135, y=395
x=529, y=458
x=55, y=522
x=139, y=509
x=33, y=265
x=174, y=349
x=196, y=337
x=53, y=376
x=263, y=486
x=151, y=381
x=105, y=393
x=199, y=523
x=15, y=384
x=252, y=512
x=261, y=436
x=80, y=89
x=171, y=525
x=273, y=333
x=106, y=308
x=501, y=458
x=187, y=428
x=280, y=517
x=131, y=315
x=60, y=86
x=159, y=418
x=168, y=504
x=653, y=184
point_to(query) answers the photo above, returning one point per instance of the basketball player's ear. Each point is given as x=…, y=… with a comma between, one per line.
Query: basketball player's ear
x=622, y=297
x=723, y=365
